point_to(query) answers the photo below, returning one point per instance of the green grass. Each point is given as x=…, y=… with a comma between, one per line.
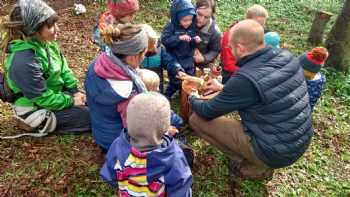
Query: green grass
x=59, y=165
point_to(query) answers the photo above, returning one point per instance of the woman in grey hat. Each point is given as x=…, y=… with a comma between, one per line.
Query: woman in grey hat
x=112, y=81
x=45, y=91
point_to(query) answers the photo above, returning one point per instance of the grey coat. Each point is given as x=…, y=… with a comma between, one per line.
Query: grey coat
x=210, y=45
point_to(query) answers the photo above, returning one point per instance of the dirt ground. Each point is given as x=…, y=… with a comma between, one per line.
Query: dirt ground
x=66, y=165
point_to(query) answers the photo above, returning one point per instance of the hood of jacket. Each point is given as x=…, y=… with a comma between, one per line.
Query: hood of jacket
x=160, y=160
x=179, y=6
x=105, y=68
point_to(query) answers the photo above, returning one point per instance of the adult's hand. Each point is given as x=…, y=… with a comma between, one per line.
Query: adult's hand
x=198, y=57
x=214, y=85
x=181, y=75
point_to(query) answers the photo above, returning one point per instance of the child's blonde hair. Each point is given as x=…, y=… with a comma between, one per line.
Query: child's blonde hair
x=150, y=79
x=256, y=11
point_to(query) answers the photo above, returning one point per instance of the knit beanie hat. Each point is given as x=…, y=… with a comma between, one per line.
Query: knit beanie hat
x=148, y=118
x=313, y=61
x=34, y=13
x=121, y=8
x=273, y=39
x=131, y=46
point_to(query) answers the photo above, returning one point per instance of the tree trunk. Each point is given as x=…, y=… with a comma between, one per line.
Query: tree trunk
x=319, y=24
x=338, y=42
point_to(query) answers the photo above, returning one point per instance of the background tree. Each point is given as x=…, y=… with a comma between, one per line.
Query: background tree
x=338, y=42
x=318, y=26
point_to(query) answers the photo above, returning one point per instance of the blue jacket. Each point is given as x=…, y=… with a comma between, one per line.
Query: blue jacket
x=176, y=120
x=165, y=165
x=182, y=51
x=103, y=100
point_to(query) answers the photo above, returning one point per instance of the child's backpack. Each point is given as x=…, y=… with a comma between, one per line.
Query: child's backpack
x=42, y=120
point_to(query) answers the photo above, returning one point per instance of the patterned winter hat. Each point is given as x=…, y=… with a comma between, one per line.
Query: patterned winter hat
x=121, y=8
x=148, y=118
x=313, y=61
x=34, y=13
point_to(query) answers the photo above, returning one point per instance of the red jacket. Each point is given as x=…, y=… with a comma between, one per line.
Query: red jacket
x=227, y=59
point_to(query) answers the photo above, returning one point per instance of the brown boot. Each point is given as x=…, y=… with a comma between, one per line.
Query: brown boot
x=243, y=170
x=252, y=172
x=235, y=177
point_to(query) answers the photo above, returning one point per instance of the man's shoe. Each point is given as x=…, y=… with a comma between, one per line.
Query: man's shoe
x=235, y=178
x=256, y=175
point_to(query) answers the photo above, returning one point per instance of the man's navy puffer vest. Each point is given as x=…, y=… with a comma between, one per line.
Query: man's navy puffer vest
x=280, y=125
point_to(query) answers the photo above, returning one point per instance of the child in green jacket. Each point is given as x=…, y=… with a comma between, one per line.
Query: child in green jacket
x=46, y=91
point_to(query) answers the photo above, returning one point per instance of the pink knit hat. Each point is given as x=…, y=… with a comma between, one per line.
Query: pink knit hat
x=121, y=8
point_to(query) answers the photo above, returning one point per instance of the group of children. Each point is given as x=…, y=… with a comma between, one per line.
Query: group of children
x=173, y=51
x=145, y=160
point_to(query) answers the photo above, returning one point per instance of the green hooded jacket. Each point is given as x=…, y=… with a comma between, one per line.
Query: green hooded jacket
x=57, y=74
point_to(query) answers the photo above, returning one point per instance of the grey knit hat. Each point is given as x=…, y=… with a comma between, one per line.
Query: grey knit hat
x=34, y=13
x=148, y=118
x=132, y=46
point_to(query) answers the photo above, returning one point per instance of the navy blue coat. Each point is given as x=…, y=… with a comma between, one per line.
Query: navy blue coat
x=106, y=121
x=182, y=51
x=280, y=125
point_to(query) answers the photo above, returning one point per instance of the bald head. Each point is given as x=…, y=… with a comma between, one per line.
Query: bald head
x=249, y=34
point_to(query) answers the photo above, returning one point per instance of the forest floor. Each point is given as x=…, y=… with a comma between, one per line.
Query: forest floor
x=69, y=165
